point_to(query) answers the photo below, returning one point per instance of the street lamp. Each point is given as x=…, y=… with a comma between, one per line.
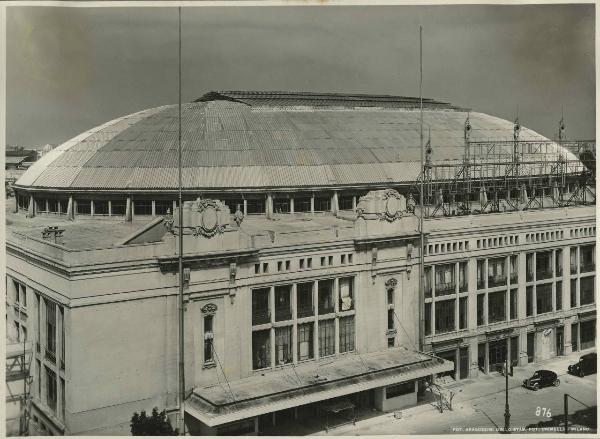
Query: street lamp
x=506, y=407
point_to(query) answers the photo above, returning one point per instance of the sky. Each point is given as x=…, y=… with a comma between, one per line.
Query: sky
x=70, y=69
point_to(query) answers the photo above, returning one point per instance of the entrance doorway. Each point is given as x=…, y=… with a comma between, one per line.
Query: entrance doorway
x=560, y=341
x=450, y=356
x=530, y=346
x=464, y=363
x=497, y=354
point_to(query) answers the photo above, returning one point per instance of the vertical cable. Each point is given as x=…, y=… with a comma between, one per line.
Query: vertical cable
x=181, y=393
x=422, y=255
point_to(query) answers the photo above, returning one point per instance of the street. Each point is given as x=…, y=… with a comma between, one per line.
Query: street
x=479, y=405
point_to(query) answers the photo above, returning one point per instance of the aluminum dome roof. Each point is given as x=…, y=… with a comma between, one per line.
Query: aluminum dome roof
x=236, y=140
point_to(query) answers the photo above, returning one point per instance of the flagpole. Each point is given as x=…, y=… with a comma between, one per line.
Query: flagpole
x=422, y=238
x=181, y=370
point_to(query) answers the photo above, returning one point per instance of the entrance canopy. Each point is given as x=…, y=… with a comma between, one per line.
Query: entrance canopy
x=307, y=383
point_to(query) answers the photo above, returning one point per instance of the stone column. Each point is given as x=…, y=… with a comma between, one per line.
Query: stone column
x=354, y=203
x=16, y=203
x=269, y=206
x=91, y=207
x=31, y=207
x=245, y=207
x=71, y=208
x=128, y=210
x=153, y=207
x=292, y=205
x=312, y=203
x=335, y=207
x=109, y=208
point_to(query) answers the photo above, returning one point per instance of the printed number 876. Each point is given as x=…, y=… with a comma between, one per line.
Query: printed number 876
x=543, y=411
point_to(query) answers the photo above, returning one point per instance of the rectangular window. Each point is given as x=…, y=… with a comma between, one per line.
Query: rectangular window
x=444, y=316
x=51, y=331
x=573, y=290
x=62, y=398
x=444, y=280
x=283, y=345
x=261, y=349
x=260, y=306
x=543, y=298
x=322, y=204
x=390, y=319
x=390, y=296
x=427, y=282
x=118, y=207
x=101, y=207
x=480, y=309
x=39, y=379
x=162, y=207
x=304, y=299
x=480, y=274
x=345, y=203
x=305, y=341
x=558, y=296
x=586, y=290
x=61, y=315
x=51, y=394
x=326, y=337
x=574, y=337
x=514, y=304
x=462, y=313
x=529, y=267
x=543, y=265
x=302, y=204
x=346, y=334
x=283, y=303
x=529, y=301
x=400, y=389
x=142, y=207
x=463, y=278
x=53, y=205
x=496, y=272
x=496, y=307
x=84, y=207
x=558, y=262
x=587, y=258
x=573, y=260
x=346, y=293
x=255, y=206
x=38, y=327
x=208, y=339
x=281, y=205
x=514, y=269
x=428, y=319
x=325, y=293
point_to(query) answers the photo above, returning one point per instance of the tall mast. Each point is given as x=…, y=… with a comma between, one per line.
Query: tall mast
x=181, y=374
x=422, y=263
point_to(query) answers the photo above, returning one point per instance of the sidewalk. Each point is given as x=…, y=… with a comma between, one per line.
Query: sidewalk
x=471, y=389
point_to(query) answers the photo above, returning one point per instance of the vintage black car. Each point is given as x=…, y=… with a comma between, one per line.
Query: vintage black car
x=541, y=378
x=585, y=366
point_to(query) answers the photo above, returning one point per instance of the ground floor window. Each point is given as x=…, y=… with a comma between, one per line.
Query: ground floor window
x=428, y=319
x=118, y=207
x=575, y=337
x=84, y=207
x=530, y=346
x=588, y=334
x=255, y=206
x=142, y=207
x=101, y=207
x=399, y=389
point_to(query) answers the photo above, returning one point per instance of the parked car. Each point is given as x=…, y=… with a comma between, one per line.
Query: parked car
x=540, y=379
x=585, y=366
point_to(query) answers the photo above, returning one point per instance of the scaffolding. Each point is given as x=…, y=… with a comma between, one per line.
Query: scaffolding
x=507, y=175
x=18, y=385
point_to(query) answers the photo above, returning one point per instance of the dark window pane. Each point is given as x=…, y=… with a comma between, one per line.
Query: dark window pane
x=514, y=304
x=480, y=309
x=480, y=274
x=529, y=301
x=255, y=206
x=428, y=319
x=302, y=204
x=100, y=207
x=281, y=205
x=346, y=334
x=162, y=206
x=496, y=307
x=326, y=337
x=84, y=207
x=260, y=306
x=261, y=349
x=325, y=293
x=587, y=258
x=444, y=280
x=573, y=290
x=496, y=272
x=304, y=298
x=283, y=345
x=305, y=341
x=543, y=295
x=586, y=290
x=558, y=296
x=444, y=316
x=118, y=207
x=283, y=302
x=543, y=265
x=142, y=207
x=322, y=204
x=462, y=313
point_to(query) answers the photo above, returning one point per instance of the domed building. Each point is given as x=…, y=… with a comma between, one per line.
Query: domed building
x=266, y=152
x=304, y=305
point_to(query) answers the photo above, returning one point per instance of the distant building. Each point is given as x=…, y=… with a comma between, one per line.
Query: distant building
x=302, y=260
